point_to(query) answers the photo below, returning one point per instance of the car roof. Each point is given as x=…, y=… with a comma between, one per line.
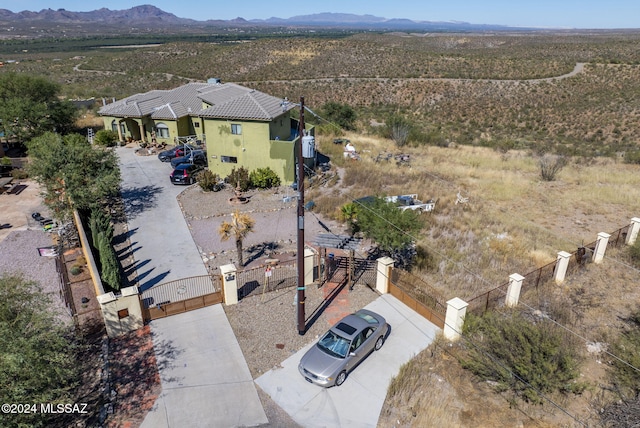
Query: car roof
x=186, y=165
x=352, y=324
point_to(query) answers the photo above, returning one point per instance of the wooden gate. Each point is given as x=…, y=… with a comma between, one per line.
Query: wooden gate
x=180, y=296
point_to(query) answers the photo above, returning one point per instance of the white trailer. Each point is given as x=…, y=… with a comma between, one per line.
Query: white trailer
x=411, y=202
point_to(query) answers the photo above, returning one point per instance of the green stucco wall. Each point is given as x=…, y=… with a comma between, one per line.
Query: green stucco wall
x=253, y=148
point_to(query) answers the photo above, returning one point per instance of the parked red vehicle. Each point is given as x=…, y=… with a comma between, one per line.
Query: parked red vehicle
x=167, y=155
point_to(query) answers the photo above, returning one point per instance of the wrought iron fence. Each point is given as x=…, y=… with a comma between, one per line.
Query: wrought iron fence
x=267, y=278
x=496, y=296
x=65, y=285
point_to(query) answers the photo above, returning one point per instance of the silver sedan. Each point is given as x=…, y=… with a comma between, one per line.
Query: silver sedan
x=343, y=347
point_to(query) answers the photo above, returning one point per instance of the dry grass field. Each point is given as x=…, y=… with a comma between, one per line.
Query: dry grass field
x=514, y=222
x=490, y=105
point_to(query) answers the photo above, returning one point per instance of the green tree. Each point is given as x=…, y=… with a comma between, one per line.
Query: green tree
x=72, y=173
x=392, y=229
x=239, y=227
x=37, y=363
x=106, y=138
x=29, y=106
x=340, y=114
x=102, y=236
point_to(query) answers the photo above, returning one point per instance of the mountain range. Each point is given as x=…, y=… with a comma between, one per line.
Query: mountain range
x=151, y=15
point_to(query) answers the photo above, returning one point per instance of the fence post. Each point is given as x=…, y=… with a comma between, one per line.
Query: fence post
x=562, y=264
x=308, y=266
x=601, y=247
x=513, y=291
x=383, y=275
x=454, y=319
x=229, y=283
x=632, y=234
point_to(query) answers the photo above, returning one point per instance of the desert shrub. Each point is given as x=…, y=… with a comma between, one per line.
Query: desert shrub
x=19, y=174
x=264, y=178
x=239, y=179
x=632, y=157
x=528, y=358
x=626, y=347
x=624, y=409
x=550, y=166
x=398, y=129
x=208, y=180
x=634, y=252
x=75, y=270
x=5, y=161
x=106, y=138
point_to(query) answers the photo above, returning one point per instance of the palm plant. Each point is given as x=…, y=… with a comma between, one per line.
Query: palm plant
x=239, y=227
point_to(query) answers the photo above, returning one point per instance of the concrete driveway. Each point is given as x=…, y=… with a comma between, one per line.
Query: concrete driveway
x=357, y=402
x=205, y=379
x=160, y=238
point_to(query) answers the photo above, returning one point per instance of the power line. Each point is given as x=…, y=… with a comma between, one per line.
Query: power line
x=482, y=279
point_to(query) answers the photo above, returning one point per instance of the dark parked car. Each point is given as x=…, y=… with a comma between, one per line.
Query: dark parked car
x=343, y=347
x=177, y=151
x=185, y=173
x=198, y=157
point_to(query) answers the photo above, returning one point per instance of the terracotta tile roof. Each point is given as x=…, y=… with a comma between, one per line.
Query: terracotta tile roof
x=225, y=101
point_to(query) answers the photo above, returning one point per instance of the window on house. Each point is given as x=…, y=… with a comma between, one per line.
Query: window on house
x=114, y=126
x=228, y=159
x=236, y=129
x=196, y=124
x=162, y=130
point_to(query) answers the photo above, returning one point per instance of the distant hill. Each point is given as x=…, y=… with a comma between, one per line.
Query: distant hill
x=151, y=15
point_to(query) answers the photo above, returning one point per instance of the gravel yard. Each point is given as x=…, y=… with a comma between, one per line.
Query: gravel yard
x=266, y=324
x=275, y=224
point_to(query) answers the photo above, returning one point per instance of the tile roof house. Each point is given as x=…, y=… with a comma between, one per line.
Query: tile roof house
x=239, y=126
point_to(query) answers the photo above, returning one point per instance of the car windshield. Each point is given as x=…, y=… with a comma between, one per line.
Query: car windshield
x=334, y=345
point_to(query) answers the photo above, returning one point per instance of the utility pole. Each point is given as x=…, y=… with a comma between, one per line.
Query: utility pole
x=300, y=259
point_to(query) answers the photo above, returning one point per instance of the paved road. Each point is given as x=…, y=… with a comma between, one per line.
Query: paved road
x=358, y=401
x=160, y=238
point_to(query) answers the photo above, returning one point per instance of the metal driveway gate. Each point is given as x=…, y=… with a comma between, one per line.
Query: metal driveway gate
x=180, y=296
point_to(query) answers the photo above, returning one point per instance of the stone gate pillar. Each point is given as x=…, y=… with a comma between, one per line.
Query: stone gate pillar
x=632, y=234
x=454, y=320
x=562, y=264
x=383, y=275
x=601, y=247
x=229, y=284
x=513, y=292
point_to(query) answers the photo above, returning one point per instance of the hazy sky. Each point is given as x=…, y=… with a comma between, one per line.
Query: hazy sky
x=529, y=13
